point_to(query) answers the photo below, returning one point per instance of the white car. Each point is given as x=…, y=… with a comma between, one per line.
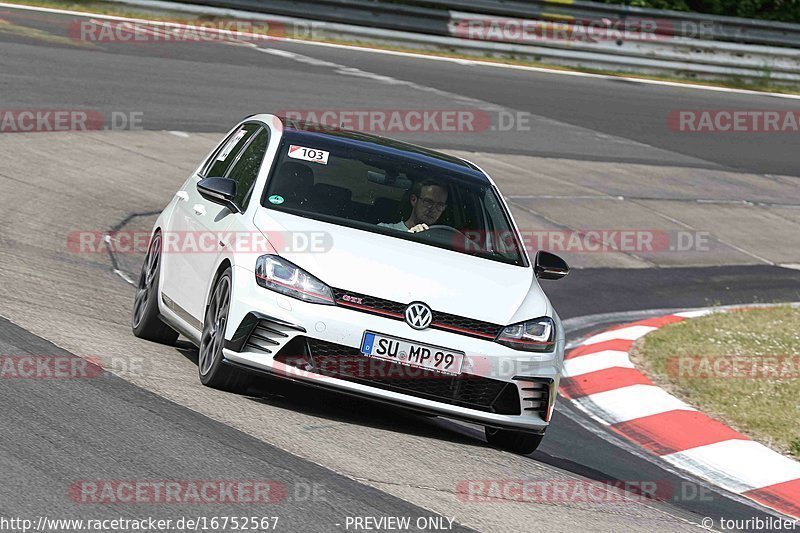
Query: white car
x=360, y=264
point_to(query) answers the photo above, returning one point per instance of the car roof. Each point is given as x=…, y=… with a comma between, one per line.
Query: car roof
x=307, y=132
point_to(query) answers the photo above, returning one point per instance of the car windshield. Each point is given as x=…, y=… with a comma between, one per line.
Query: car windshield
x=388, y=194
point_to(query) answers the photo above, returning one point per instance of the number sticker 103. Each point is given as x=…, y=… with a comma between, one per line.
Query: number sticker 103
x=308, y=154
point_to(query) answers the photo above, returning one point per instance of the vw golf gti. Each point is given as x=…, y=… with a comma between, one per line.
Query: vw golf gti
x=361, y=264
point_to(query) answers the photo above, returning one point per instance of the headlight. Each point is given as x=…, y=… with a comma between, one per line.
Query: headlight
x=279, y=275
x=531, y=336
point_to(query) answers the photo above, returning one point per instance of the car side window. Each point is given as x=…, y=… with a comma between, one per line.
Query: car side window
x=245, y=168
x=219, y=163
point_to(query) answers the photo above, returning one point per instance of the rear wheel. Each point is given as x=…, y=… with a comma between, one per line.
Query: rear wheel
x=513, y=441
x=211, y=367
x=146, y=322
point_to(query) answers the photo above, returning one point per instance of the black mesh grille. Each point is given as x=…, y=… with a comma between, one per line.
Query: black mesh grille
x=368, y=304
x=485, y=329
x=474, y=392
x=390, y=309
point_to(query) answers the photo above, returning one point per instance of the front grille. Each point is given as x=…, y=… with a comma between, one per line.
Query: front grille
x=466, y=325
x=396, y=310
x=349, y=364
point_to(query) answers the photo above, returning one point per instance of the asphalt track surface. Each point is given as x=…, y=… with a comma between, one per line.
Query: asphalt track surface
x=60, y=431
x=201, y=86
x=74, y=439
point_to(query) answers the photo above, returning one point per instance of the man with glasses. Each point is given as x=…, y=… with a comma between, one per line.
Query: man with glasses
x=428, y=201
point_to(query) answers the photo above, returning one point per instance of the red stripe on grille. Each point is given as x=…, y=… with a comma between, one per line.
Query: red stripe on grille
x=368, y=309
x=462, y=330
x=375, y=310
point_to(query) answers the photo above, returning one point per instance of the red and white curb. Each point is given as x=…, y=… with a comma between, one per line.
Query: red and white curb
x=600, y=379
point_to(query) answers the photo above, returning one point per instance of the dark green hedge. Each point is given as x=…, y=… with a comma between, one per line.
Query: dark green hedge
x=782, y=10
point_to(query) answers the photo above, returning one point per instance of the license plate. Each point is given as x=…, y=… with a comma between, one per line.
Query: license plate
x=412, y=353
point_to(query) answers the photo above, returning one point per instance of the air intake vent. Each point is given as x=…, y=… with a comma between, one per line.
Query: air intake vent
x=261, y=333
x=536, y=395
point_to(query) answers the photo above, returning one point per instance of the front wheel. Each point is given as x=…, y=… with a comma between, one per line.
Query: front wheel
x=146, y=322
x=211, y=367
x=513, y=441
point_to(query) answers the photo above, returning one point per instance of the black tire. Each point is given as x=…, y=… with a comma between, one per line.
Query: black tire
x=146, y=321
x=513, y=441
x=213, y=371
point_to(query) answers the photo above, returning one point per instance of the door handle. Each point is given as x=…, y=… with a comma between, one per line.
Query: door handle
x=182, y=195
x=199, y=209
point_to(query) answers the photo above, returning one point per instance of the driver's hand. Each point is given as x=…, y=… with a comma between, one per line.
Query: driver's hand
x=418, y=228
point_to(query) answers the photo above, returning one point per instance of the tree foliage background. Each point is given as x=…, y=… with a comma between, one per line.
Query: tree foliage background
x=780, y=10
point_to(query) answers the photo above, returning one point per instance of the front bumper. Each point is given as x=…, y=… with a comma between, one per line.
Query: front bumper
x=265, y=330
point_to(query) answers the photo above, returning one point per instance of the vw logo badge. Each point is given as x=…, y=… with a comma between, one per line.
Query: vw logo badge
x=418, y=315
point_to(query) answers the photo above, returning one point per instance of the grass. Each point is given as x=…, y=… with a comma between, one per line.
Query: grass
x=741, y=367
x=110, y=8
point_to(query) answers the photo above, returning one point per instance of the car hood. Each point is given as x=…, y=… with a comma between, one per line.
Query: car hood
x=405, y=271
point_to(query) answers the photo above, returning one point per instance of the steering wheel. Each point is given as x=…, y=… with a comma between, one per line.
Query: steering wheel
x=446, y=235
x=446, y=229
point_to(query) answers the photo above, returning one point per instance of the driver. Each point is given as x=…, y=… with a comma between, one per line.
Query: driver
x=428, y=202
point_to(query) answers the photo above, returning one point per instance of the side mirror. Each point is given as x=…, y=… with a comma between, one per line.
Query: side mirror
x=549, y=266
x=221, y=191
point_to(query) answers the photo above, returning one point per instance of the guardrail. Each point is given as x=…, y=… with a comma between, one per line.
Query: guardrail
x=677, y=23
x=563, y=32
